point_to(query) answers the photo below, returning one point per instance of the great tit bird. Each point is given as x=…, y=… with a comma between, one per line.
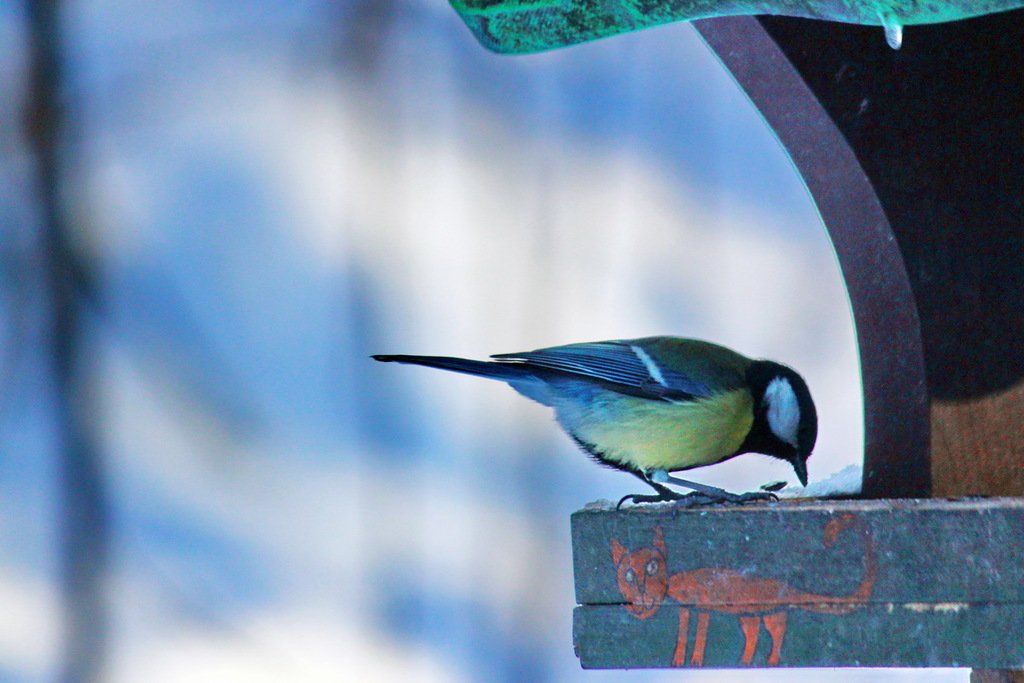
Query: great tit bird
x=660, y=404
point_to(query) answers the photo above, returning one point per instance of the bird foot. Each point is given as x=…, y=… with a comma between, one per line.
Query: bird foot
x=698, y=499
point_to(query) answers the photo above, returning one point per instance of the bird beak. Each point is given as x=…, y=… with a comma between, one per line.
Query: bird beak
x=800, y=467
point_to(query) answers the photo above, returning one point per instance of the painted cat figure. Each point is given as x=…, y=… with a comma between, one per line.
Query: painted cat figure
x=644, y=582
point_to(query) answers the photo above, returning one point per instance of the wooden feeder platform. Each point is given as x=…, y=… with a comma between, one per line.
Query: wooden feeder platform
x=915, y=160
x=801, y=583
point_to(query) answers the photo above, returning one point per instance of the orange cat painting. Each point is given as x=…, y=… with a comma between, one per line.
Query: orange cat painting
x=644, y=581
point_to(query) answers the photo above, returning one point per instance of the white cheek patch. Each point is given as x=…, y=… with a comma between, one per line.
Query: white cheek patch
x=783, y=410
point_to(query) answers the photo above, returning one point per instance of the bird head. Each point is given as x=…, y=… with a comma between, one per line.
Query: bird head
x=785, y=420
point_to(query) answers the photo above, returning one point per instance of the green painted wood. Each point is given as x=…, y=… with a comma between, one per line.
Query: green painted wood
x=829, y=583
x=986, y=635
x=523, y=26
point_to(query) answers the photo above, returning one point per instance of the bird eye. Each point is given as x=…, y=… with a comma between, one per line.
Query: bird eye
x=630, y=576
x=652, y=568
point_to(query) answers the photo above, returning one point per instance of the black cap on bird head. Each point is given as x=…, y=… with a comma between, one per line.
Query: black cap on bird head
x=785, y=420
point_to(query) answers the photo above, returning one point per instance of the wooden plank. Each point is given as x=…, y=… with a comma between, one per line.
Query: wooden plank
x=996, y=676
x=927, y=550
x=879, y=635
x=842, y=583
x=991, y=428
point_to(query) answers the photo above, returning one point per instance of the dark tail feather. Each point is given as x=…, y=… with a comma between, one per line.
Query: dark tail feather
x=503, y=371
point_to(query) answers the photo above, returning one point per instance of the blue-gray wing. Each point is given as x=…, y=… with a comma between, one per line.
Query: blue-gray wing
x=627, y=366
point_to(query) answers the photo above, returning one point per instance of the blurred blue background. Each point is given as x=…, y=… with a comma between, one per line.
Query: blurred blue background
x=262, y=195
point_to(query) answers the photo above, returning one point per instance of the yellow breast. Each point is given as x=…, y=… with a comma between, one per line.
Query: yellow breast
x=650, y=435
